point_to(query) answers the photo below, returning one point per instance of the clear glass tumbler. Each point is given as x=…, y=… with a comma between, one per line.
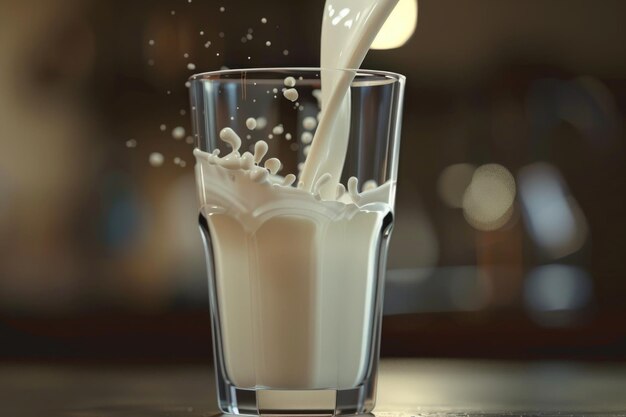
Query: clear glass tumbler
x=296, y=272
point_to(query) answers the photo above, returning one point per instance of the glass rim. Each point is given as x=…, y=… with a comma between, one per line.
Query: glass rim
x=214, y=75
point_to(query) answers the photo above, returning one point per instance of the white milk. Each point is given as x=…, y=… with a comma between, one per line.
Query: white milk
x=296, y=267
x=348, y=30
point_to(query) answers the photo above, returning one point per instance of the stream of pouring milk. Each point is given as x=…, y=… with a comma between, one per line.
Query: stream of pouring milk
x=348, y=29
x=296, y=267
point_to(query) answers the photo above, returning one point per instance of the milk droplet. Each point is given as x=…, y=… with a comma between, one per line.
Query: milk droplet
x=289, y=180
x=131, y=143
x=156, y=159
x=229, y=136
x=294, y=147
x=290, y=82
x=151, y=42
x=285, y=52
x=275, y=90
x=268, y=43
x=278, y=130
x=185, y=55
x=273, y=165
x=251, y=123
x=306, y=150
x=288, y=136
x=306, y=138
x=189, y=140
x=353, y=189
x=247, y=161
x=163, y=128
x=291, y=94
x=191, y=66
x=261, y=123
x=263, y=20
x=222, y=9
x=176, y=161
x=260, y=150
x=178, y=133
x=183, y=112
x=309, y=123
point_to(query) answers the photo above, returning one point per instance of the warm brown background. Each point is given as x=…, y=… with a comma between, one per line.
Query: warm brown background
x=100, y=257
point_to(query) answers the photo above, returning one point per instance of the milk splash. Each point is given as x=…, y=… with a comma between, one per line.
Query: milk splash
x=349, y=27
x=245, y=169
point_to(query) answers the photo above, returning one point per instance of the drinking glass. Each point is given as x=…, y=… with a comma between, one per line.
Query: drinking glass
x=296, y=296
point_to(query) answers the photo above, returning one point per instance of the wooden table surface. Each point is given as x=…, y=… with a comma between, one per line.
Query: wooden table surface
x=407, y=387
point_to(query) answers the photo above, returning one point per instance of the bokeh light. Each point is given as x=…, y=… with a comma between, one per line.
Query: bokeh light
x=556, y=288
x=554, y=219
x=453, y=182
x=399, y=27
x=488, y=200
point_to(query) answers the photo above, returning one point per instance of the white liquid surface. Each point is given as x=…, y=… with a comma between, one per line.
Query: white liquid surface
x=296, y=267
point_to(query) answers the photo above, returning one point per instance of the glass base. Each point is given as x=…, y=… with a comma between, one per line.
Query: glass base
x=303, y=402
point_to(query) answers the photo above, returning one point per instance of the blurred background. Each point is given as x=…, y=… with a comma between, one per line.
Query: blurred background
x=510, y=218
